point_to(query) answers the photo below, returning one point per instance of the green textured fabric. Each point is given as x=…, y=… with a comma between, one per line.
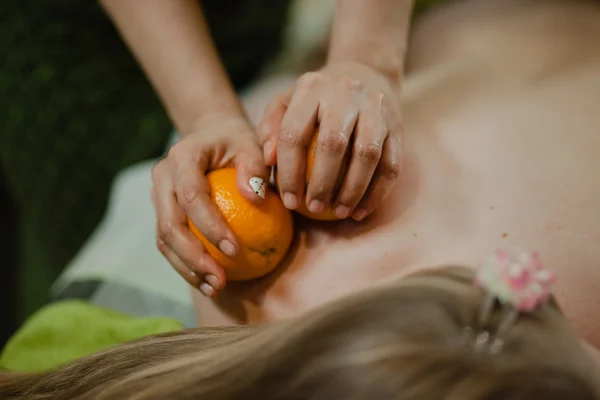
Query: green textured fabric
x=75, y=109
x=65, y=331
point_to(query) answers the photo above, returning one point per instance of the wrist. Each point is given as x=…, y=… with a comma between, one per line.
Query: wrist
x=228, y=119
x=388, y=63
x=389, y=79
x=373, y=33
x=204, y=109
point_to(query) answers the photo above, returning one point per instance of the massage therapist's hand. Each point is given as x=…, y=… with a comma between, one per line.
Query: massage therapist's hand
x=180, y=190
x=358, y=111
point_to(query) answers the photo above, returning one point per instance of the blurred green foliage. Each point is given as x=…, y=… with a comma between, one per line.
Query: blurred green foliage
x=75, y=109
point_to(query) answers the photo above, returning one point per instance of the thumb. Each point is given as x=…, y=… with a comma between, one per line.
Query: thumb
x=252, y=173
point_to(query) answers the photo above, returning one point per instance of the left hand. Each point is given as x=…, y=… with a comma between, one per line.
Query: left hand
x=355, y=106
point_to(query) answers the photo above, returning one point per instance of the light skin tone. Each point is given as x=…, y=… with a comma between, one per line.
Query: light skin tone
x=500, y=150
x=354, y=99
x=195, y=98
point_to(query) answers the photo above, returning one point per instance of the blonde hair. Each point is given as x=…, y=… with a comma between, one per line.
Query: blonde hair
x=400, y=341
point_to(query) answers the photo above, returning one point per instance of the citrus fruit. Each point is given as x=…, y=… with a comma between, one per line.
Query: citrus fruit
x=263, y=232
x=327, y=214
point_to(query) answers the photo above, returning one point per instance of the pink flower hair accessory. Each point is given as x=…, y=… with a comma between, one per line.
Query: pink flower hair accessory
x=520, y=283
x=516, y=278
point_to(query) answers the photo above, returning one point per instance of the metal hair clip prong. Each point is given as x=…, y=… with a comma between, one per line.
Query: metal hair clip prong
x=518, y=280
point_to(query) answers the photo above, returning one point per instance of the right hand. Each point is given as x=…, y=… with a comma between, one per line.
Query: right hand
x=180, y=190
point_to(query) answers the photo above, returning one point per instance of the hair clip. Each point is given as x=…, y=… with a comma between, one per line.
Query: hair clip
x=519, y=281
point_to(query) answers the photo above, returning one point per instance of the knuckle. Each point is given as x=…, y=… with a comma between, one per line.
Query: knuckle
x=379, y=98
x=391, y=170
x=288, y=138
x=309, y=80
x=182, y=152
x=328, y=114
x=351, y=195
x=319, y=190
x=175, y=151
x=350, y=83
x=162, y=246
x=166, y=232
x=187, y=194
x=334, y=143
x=369, y=153
x=157, y=171
x=160, y=170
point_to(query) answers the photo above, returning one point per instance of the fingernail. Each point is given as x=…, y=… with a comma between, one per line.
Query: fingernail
x=267, y=149
x=316, y=206
x=227, y=247
x=359, y=214
x=290, y=201
x=342, y=211
x=212, y=281
x=206, y=289
x=258, y=185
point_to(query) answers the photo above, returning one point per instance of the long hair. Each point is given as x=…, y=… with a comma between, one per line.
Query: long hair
x=404, y=340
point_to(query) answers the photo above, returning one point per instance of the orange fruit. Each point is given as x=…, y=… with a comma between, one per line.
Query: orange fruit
x=327, y=214
x=263, y=233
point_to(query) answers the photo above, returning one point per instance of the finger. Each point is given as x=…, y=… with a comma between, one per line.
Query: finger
x=177, y=263
x=383, y=180
x=335, y=131
x=171, y=222
x=268, y=128
x=297, y=128
x=199, y=263
x=193, y=197
x=367, y=149
x=208, y=285
x=175, y=234
x=252, y=173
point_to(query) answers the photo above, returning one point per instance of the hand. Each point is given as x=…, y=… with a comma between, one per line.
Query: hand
x=358, y=110
x=180, y=190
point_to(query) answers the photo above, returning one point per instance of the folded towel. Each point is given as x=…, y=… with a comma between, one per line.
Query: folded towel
x=65, y=331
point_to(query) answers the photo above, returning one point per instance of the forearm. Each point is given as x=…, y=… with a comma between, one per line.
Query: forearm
x=172, y=43
x=372, y=32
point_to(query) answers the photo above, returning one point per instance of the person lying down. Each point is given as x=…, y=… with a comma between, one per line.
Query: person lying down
x=501, y=146
x=500, y=149
x=446, y=333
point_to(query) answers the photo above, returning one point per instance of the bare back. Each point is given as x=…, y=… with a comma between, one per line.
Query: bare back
x=502, y=109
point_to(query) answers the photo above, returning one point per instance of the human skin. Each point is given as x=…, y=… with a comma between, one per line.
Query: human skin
x=501, y=114
x=172, y=43
x=354, y=100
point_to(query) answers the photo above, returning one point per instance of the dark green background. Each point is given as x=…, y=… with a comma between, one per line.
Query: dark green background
x=74, y=110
